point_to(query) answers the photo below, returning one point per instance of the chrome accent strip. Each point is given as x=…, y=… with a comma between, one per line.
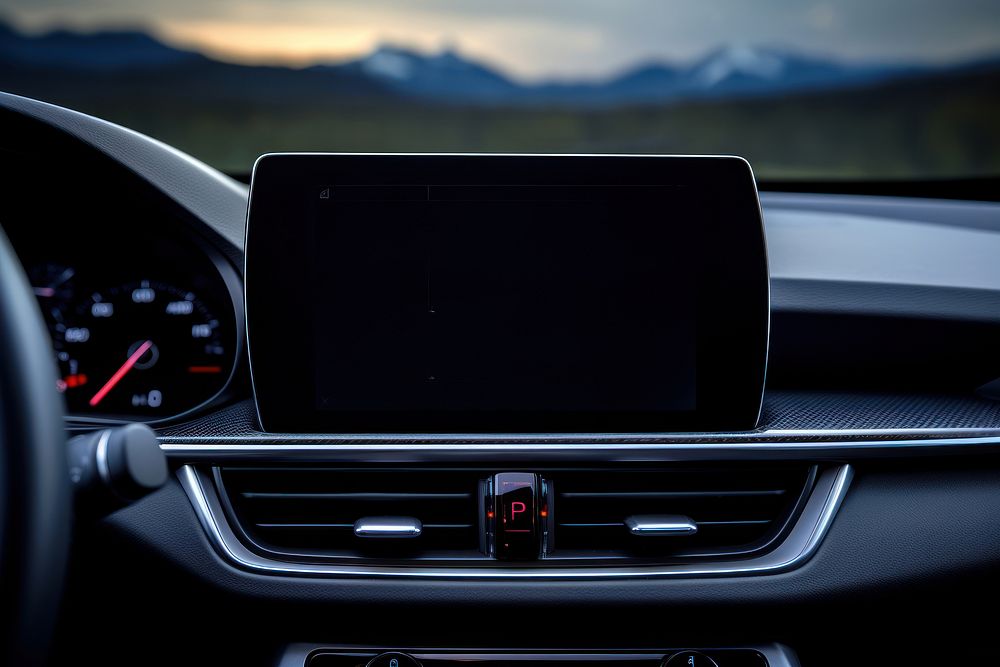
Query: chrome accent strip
x=655, y=438
x=388, y=527
x=246, y=305
x=291, y=450
x=767, y=269
x=101, y=457
x=661, y=526
x=797, y=547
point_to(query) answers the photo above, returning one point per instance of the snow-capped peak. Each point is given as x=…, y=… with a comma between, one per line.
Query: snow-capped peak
x=389, y=63
x=738, y=60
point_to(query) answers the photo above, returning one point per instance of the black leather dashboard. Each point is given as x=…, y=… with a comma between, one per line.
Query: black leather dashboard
x=879, y=342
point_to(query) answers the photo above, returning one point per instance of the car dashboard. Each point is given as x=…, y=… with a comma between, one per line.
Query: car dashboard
x=867, y=491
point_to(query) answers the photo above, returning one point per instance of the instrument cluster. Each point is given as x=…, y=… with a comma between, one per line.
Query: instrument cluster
x=143, y=344
x=145, y=315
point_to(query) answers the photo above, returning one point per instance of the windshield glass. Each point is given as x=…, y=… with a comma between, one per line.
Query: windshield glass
x=805, y=89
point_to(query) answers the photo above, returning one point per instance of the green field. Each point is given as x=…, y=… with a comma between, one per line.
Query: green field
x=946, y=127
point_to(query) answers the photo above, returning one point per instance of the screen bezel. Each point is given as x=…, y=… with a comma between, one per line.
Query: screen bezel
x=732, y=299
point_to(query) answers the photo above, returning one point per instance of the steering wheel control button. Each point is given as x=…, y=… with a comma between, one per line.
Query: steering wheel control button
x=516, y=503
x=393, y=660
x=690, y=659
x=115, y=466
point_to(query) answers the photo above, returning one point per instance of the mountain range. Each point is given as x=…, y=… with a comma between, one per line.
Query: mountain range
x=734, y=71
x=450, y=77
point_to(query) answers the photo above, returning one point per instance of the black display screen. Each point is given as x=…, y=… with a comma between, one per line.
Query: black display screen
x=505, y=293
x=503, y=298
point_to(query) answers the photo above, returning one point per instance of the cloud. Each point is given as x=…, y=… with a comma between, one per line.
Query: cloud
x=822, y=16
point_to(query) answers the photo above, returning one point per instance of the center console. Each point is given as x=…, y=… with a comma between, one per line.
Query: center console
x=465, y=370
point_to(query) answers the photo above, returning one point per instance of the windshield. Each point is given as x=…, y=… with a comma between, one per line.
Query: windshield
x=806, y=90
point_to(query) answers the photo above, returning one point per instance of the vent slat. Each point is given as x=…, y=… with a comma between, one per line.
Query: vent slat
x=426, y=526
x=673, y=494
x=736, y=511
x=735, y=522
x=357, y=496
x=310, y=512
x=304, y=525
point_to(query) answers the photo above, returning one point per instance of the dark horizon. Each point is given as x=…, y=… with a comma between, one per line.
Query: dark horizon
x=724, y=72
x=150, y=31
x=561, y=40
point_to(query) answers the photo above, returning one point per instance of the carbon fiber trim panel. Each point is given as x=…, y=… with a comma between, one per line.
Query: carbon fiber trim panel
x=783, y=412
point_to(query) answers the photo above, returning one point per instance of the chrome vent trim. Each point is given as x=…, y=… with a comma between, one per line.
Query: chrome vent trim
x=798, y=545
x=661, y=525
x=388, y=527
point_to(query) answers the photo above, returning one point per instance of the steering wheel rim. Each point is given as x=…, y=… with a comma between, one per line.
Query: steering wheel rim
x=35, y=495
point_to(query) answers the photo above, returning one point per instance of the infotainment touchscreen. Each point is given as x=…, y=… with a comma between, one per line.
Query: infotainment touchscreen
x=505, y=294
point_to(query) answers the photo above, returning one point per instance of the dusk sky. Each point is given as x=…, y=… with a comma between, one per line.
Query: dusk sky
x=534, y=39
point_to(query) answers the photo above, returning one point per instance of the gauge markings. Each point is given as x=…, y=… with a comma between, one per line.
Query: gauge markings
x=96, y=326
x=204, y=369
x=73, y=381
x=121, y=372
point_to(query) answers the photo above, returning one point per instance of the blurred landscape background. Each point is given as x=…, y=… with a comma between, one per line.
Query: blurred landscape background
x=793, y=114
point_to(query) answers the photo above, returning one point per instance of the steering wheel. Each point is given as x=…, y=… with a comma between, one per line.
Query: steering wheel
x=35, y=497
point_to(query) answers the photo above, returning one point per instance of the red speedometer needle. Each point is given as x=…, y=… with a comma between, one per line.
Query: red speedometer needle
x=120, y=373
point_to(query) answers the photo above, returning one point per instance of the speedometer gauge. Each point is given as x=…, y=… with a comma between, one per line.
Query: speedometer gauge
x=143, y=348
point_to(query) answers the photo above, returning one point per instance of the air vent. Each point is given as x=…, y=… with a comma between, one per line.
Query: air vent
x=689, y=513
x=620, y=515
x=311, y=513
